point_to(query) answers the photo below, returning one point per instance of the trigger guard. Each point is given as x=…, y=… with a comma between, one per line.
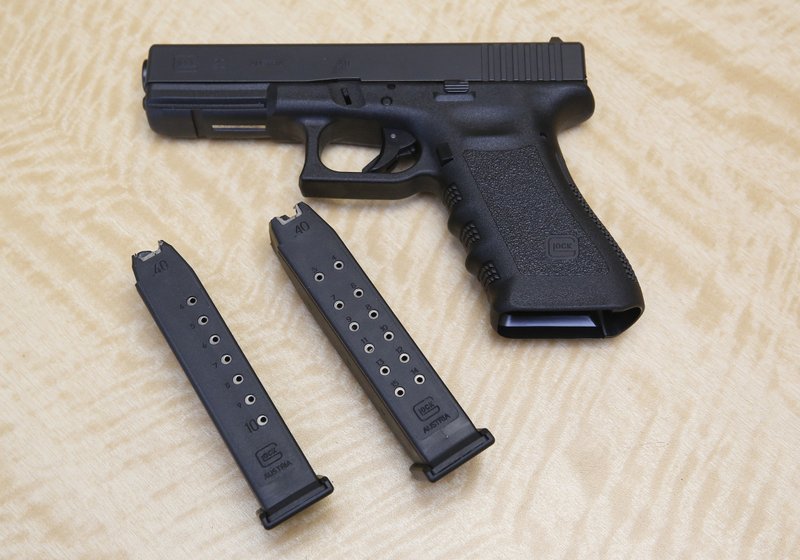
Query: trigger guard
x=317, y=180
x=314, y=129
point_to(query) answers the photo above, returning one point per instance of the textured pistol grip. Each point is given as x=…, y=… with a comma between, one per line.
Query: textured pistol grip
x=548, y=265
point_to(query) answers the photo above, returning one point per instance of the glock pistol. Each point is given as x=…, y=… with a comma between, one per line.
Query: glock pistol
x=475, y=124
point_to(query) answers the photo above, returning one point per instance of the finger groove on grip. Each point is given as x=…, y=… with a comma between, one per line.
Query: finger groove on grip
x=488, y=274
x=451, y=196
x=469, y=235
x=530, y=214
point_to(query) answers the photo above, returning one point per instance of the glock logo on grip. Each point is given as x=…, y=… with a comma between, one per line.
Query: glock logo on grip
x=268, y=454
x=426, y=408
x=562, y=247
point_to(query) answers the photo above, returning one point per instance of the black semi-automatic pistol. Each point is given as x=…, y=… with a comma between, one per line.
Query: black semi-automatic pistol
x=474, y=123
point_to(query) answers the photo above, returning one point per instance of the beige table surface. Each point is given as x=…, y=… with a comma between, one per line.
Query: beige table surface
x=680, y=438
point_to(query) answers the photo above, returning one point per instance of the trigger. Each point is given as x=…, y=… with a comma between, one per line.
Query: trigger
x=396, y=144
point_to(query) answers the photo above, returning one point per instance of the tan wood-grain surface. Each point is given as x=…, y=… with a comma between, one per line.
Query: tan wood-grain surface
x=678, y=439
